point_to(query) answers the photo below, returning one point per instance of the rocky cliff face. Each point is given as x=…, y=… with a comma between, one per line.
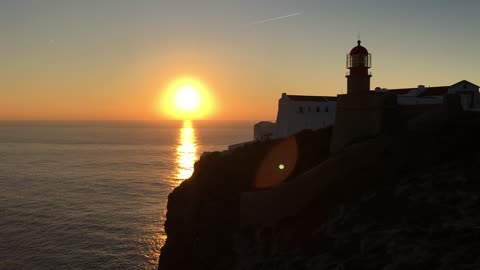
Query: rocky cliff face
x=417, y=206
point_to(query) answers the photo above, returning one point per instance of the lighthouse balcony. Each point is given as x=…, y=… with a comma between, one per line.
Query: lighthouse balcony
x=348, y=73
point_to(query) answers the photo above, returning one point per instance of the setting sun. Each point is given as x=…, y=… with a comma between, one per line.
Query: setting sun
x=186, y=98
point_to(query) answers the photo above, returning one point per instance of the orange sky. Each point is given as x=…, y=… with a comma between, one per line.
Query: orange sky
x=112, y=60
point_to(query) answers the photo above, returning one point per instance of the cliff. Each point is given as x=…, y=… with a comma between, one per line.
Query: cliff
x=408, y=200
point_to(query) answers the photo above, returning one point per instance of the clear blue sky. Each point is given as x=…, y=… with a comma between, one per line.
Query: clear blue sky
x=110, y=59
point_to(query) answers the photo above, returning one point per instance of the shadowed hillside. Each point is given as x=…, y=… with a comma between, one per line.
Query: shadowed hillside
x=404, y=201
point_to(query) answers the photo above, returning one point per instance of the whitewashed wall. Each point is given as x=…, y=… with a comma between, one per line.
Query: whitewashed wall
x=291, y=119
x=467, y=91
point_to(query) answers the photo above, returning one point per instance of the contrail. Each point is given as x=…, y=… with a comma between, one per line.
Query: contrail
x=276, y=18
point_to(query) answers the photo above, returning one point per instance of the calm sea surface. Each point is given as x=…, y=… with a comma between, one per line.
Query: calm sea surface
x=92, y=195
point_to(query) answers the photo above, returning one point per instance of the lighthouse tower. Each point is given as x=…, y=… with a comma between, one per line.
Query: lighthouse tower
x=361, y=113
x=358, y=63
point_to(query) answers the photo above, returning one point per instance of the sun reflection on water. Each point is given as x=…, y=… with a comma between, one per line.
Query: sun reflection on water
x=186, y=151
x=186, y=155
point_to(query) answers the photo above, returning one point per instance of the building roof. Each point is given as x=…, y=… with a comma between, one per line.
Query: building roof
x=402, y=91
x=264, y=123
x=312, y=98
x=331, y=98
x=465, y=81
x=429, y=91
x=434, y=91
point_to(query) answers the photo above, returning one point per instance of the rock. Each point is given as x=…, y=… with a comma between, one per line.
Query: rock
x=413, y=208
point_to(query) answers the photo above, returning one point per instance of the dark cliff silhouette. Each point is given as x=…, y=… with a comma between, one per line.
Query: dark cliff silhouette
x=414, y=206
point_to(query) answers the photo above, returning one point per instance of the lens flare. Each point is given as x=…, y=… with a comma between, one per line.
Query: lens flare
x=278, y=164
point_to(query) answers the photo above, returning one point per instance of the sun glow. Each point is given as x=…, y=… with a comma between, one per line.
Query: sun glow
x=186, y=99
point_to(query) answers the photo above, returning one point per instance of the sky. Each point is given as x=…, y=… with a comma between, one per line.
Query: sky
x=112, y=59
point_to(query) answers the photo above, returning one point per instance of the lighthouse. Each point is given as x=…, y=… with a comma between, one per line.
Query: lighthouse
x=361, y=113
x=358, y=63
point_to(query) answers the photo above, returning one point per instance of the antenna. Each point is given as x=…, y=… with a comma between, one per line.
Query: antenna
x=358, y=36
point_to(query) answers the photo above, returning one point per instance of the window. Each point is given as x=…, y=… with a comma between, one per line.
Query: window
x=300, y=109
x=318, y=109
x=326, y=109
x=309, y=109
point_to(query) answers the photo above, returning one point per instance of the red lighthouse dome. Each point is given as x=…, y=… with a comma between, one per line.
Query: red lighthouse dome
x=359, y=60
x=359, y=49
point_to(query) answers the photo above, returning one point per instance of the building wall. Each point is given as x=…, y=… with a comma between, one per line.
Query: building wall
x=263, y=130
x=407, y=112
x=295, y=116
x=469, y=94
x=268, y=207
x=413, y=100
x=362, y=115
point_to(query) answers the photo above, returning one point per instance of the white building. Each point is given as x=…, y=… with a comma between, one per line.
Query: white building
x=263, y=130
x=296, y=113
x=468, y=92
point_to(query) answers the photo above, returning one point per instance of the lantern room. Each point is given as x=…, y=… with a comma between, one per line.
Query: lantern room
x=359, y=60
x=358, y=63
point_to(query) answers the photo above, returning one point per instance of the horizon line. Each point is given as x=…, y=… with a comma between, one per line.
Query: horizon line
x=121, y=120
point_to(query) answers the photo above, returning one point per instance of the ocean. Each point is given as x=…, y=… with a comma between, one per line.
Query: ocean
x=93, y=195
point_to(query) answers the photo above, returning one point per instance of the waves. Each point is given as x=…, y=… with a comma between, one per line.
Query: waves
x=66, y=204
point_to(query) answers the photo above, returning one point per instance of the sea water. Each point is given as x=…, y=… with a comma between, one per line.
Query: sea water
x=93, y=195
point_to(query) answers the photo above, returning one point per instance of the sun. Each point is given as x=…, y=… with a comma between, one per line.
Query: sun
x=186, y=98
